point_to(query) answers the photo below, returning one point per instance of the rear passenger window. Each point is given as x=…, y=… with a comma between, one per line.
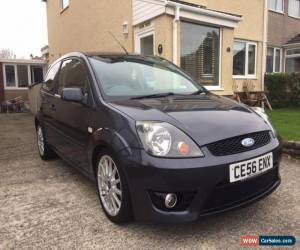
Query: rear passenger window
x=50, y=79
x=73, y=74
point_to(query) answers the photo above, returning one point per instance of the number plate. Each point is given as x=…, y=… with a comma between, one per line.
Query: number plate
x=243, y=170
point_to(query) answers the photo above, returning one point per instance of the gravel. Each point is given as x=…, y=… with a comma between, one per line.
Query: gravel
x=49, y=205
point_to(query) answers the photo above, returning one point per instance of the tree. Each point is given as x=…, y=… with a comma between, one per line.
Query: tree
x=7, y=54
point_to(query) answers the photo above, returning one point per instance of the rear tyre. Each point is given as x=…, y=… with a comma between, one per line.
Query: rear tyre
x=113, y=189
x=45, y=152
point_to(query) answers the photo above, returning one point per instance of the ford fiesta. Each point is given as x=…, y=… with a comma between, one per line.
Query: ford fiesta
x=159, y=146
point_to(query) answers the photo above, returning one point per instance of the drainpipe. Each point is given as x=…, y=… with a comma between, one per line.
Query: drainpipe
x=175, y=34
x=265, y=40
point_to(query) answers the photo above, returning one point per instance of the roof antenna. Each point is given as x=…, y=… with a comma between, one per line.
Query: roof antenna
x=120, y=44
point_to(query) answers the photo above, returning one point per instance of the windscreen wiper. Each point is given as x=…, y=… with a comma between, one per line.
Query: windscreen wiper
x=199, y=91
x=153, y=96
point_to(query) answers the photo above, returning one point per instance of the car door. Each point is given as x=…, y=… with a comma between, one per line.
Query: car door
x=49, y=99
x=73, y=118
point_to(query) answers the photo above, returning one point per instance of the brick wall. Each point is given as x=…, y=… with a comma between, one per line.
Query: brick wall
x=282, y=27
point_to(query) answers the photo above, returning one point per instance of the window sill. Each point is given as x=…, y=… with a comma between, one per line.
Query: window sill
x=15, y=88
x=296, y=17
x=245, y=77
x=64, y=9
x=214, y=88
x=277, y=11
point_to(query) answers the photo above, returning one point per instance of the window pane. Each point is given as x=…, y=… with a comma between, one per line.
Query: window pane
x=272, y=4
x=276, y=5
x=36, y=74
x=293, y=65
x=279, y=5
x=10, y=76
x=200, y=52
x=294, y=8
x=64, y=3
x=270, y=58
x=51, y=77
x=147, y=45
x=251, y=59
x=22, y=71
x=293, y=51
x=239, y=58
x=277, y=60
x=73, y=74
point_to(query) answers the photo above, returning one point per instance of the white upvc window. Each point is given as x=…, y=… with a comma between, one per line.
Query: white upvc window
x=294, y=8
x=20, y=76
x=292, y=63
x=244, y=59
x=276, y=5
x=64, y=4
x=274, y=60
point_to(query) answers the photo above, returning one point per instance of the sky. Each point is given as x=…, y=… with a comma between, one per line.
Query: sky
x=23, y=26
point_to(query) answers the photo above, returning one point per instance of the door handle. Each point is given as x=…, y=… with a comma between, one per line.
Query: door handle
x=52, y=107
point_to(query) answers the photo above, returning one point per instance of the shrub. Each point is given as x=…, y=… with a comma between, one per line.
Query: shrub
x=283, y=89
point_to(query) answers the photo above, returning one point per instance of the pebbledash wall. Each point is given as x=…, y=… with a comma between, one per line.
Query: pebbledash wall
x=85, y=26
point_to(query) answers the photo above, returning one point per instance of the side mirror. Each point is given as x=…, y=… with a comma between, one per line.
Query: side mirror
x=72, y=94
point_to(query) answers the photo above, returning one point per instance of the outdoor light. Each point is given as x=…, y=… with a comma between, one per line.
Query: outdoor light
x=125, y=28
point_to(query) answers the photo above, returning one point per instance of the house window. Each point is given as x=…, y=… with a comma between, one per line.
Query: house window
x=274, y=56
x=21, y=75
x=244, y=59
x=10, y=75
x=200, y=52
x=64, y=4
x=294, y=8
x=293, y=60
x=276, y=5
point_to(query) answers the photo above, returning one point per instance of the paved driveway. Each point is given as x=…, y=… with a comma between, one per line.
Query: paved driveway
x=50, y=205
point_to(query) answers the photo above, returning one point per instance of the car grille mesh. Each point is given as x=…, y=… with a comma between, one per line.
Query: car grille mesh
x=234, y=146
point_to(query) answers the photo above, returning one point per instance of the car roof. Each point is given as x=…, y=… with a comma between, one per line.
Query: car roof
x=105, y=54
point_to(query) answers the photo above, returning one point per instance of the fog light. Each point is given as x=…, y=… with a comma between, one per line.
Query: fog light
x=170, y=200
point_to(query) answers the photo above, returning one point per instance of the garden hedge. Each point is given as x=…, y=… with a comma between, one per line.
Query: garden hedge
x=283, y=89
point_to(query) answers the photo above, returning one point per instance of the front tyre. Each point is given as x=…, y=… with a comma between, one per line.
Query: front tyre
x=112, y=189
x=46, y=153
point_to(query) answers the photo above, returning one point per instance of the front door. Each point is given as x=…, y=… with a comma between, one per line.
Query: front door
x=145, y=43
x=72, y=118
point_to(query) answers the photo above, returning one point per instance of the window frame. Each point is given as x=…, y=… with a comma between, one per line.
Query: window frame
x=290, y=15
x=16, y=87
x=15, y=65
x=289, y=57
x=275, y=10
x=274, y=60
x=246, y=75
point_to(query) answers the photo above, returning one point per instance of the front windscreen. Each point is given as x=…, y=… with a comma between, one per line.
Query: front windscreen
x=132, y=76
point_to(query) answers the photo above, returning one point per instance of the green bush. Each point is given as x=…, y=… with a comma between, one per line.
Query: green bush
x=283, y=89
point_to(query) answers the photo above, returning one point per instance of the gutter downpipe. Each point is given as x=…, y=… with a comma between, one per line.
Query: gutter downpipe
x=175, y=34
x=265, y=38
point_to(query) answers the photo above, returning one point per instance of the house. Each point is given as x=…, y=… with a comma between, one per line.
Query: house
x=220, y=43
x=16, y=75
x=283, y=53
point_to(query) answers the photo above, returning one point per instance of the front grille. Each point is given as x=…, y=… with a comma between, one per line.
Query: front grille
x=233, y=145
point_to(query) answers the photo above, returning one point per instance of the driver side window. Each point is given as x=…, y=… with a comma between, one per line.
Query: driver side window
x=73, y=74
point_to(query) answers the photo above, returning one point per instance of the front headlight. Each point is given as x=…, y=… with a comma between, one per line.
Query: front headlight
x=164, y=140
x=262, y=114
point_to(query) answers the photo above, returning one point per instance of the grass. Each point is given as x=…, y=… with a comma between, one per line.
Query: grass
x=287, y=122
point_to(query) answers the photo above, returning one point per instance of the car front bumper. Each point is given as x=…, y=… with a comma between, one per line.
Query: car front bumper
x=205, y=181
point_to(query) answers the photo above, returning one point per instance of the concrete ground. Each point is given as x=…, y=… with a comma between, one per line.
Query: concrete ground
x=48, y=205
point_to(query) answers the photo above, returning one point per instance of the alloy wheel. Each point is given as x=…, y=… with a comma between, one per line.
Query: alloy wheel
x=109, y=185
x=40, y=140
